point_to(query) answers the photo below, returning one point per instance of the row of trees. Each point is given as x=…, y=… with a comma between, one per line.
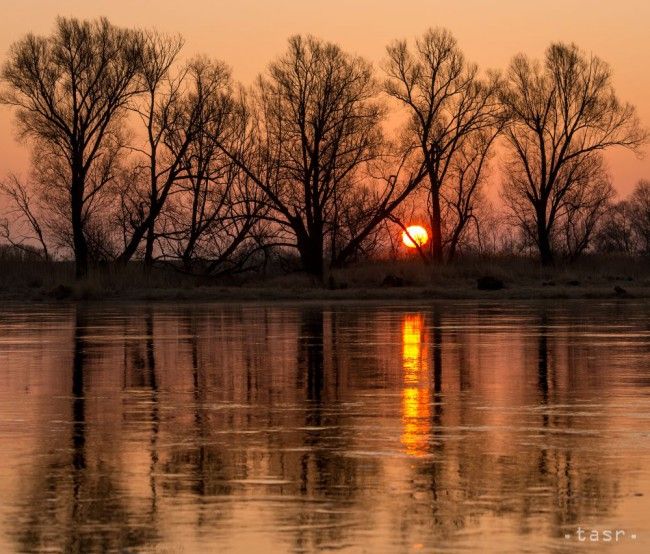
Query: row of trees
x=137, y=154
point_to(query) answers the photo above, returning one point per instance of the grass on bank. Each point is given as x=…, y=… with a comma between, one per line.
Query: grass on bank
x=591, y=276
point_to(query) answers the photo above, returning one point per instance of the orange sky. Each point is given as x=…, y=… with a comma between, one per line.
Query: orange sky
x=248, y=33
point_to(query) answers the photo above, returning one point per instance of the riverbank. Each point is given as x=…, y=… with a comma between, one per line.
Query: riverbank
x=511, y=278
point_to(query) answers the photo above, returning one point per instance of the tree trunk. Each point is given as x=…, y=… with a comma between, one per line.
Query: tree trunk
x=311, y=255
x=148, y=251
x=436, y=225
x=78, y=236
x=146, y=229
x=543, y=238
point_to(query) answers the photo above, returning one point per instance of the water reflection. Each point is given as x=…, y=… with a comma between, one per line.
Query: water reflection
x=378, y=428
x=416, y=401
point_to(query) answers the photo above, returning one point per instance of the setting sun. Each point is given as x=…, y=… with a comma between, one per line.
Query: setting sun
x=415, y=236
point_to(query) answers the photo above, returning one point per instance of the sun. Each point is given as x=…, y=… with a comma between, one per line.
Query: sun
x=414, y=236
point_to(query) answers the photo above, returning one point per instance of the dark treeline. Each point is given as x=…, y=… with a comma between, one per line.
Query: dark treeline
x=137, y=155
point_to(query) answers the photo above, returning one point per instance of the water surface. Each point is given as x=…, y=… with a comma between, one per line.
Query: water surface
x=303, y=427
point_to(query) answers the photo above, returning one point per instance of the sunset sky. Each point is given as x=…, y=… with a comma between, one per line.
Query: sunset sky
x=248, y=33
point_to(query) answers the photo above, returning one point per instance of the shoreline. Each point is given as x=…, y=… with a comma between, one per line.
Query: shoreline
x=499, y=279
x=229, y=294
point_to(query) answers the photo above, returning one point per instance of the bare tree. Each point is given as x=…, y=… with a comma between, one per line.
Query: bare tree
x=463, y=201
x=582, y=208
x=49, y=181
x=317, y=136
x=69, y=88
x=395, y=182
x=320, y=126
x=447, y=103
x=40, y=204
x=560, y=114
x=586, y=193
x=166, y=122
x=213, y=219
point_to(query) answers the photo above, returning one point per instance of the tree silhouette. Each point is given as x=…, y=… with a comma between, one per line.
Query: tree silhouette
x=160, y=111
x=319, y=126
x=136, y=155
x=448, y=104
x=69, y=90
x=317, y=138
x=562, y=114
x=213, y=222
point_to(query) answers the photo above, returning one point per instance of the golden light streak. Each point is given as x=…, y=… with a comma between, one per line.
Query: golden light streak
x=416, y=402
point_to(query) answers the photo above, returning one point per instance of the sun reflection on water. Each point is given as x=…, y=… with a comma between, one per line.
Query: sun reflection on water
x=416, y=401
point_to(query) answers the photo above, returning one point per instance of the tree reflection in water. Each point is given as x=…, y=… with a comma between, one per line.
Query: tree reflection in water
x=314, y=427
